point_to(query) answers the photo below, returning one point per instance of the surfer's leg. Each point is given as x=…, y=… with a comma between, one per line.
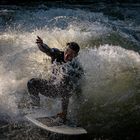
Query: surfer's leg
x=42, y=86
x=65, y=92
x=36, y=86
x=32, y=86
x=65, y=103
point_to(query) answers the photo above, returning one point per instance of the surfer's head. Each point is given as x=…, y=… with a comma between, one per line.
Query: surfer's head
x=71, y=51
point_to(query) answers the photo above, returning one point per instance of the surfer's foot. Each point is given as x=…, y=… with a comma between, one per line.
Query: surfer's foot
x=57, y=121
x=62, y=115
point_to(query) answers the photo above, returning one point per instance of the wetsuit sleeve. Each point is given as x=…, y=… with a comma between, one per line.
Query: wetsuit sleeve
x=52, y=52
x=45, y=48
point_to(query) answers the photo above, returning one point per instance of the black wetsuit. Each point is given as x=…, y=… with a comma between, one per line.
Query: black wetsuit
x=71, y=72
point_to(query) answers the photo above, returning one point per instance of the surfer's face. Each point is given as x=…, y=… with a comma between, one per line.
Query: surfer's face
x=69, y=54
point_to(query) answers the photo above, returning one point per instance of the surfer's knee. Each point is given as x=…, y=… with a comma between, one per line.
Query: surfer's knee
x=30, y=83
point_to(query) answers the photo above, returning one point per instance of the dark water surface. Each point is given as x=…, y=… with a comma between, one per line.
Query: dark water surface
x=108, y=106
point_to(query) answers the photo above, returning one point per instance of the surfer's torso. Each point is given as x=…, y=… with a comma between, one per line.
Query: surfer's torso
x=68, y=73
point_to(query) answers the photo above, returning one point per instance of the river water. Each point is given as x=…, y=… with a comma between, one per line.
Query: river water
x=108, y=106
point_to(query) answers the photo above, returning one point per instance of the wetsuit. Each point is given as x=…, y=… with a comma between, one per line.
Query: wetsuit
x=63, y=87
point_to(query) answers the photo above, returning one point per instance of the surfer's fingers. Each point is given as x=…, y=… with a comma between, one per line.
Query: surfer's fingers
x=39, y=40
x=38, y=37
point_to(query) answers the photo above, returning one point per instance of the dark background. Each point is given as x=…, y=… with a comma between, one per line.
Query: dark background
x=29, y=2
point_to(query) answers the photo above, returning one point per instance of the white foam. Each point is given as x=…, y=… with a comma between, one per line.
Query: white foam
x=111, y=68
x=20, y=58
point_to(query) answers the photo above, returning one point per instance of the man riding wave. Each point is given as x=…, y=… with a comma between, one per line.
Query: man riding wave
x=66, y=66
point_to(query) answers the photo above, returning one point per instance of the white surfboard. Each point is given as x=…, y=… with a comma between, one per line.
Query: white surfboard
x=45, y=123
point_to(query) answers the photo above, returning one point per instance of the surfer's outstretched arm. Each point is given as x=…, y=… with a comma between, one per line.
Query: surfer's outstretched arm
x=43, y=47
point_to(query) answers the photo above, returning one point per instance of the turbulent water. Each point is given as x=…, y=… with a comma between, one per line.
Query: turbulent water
x=108, y=105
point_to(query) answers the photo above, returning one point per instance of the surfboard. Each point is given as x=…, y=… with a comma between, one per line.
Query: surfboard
x=48, y=123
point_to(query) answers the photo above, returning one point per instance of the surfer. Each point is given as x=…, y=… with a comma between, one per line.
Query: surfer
x=65, y=78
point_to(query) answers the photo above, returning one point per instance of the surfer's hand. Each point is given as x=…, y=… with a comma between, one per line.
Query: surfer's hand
x=39, y=41
x=62, y=115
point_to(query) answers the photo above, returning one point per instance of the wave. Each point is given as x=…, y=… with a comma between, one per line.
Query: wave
x=109, y=56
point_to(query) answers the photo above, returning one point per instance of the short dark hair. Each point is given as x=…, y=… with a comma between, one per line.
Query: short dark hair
x=74, y=46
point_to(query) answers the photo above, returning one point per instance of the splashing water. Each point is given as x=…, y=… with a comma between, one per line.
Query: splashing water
x=110, y=90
